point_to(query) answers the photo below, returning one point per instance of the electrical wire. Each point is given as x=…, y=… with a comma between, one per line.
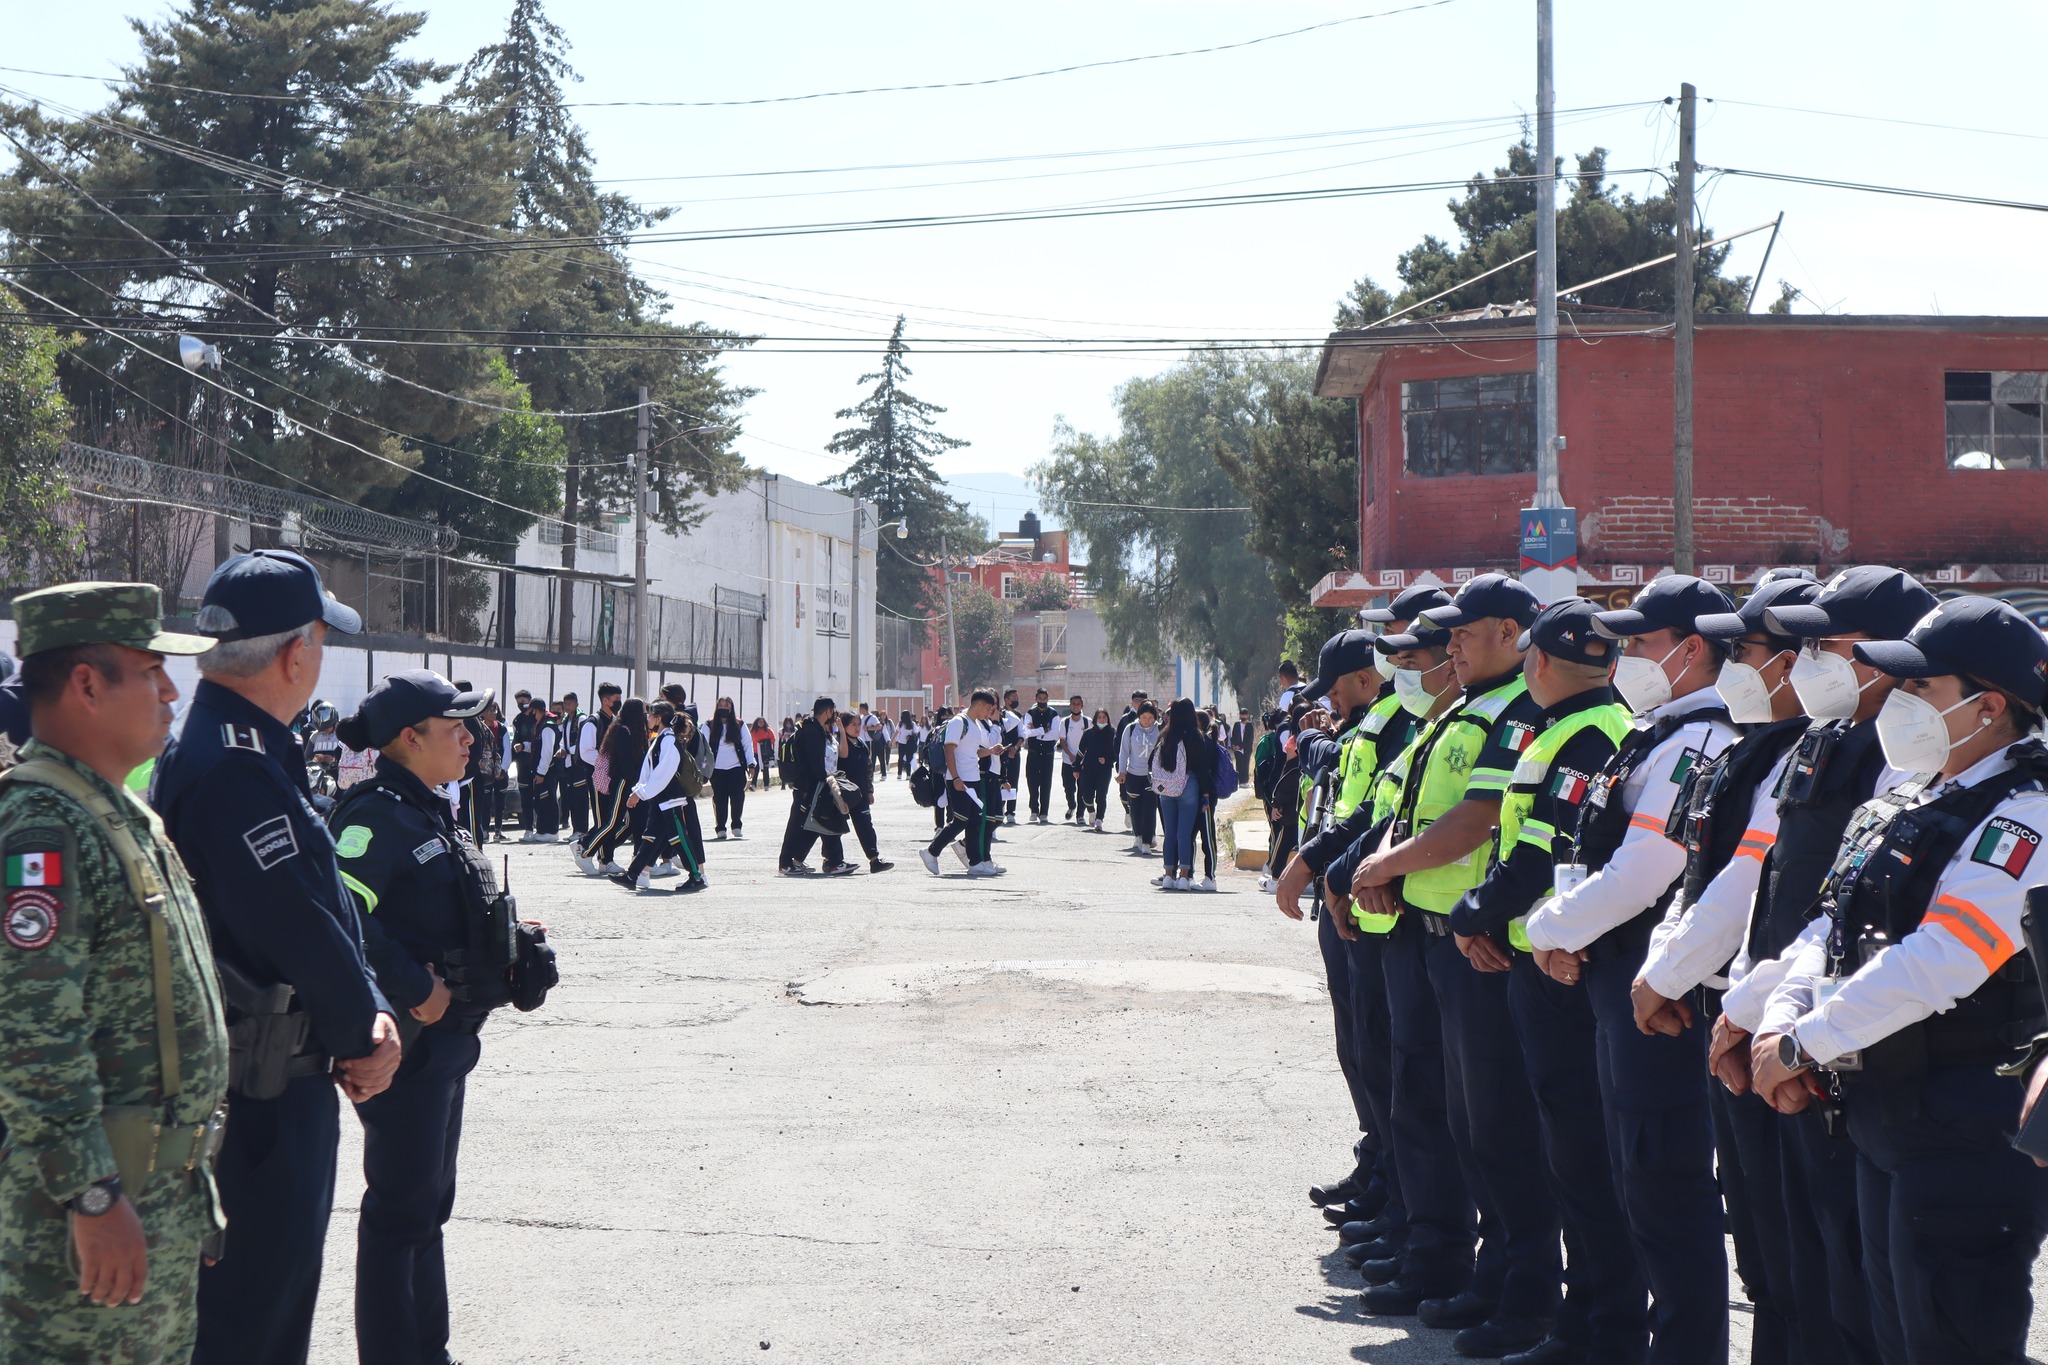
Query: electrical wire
x=1862, y=187
x=814, y=95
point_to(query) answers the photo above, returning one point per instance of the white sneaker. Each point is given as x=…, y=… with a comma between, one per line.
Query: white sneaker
x=569, y=836
x=584, y=864
x=643, y=884
x=1097, y=826
x=611, y=869
x=1161, y=881
x=1182, y=884
x=930, y=860
x=667, y=870
x=1137, y=845
x=960, y=851
x=1267, y=886
x=984, y=870
x=1206, y=884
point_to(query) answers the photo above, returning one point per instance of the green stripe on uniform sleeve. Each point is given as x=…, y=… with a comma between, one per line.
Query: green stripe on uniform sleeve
x=363, y=893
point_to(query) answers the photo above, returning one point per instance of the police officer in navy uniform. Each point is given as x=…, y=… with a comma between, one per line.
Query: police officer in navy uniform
x=1922, y=985
x=1594, y=935
x=231, y=788
x=426, y=895
x=1844, y=1303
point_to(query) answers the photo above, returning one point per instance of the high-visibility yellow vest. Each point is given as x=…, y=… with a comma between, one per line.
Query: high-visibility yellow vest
x=1386, y=798
x=1359, y=763
x=1532, y=776
x=1451, y=746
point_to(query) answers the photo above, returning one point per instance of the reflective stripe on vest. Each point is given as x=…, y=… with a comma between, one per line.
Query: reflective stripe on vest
x=1454, y=746
x=1532, y=775
x=1358, y=763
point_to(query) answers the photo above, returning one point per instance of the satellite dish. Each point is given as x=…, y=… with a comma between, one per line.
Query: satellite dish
x=196, y=354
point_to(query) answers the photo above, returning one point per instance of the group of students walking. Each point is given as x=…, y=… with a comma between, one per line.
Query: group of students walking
x=1653, y=927
x=1169, y=770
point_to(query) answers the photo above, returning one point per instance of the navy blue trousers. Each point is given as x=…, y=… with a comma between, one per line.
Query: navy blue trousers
x=1954, y=1214
x=1654, y=1088
x=1372, y=1031
x=411, y=1136
x=1606, y=1306
x=1820, y=1192
x=1337, y=975
x=276, y=1178
x=1441, y=1223
x=1493, y=1120
x=1753, y=1185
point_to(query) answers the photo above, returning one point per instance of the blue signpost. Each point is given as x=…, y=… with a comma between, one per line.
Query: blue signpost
x=1550, y=552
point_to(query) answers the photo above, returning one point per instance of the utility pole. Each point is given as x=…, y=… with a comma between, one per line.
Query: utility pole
x=853, y=599
x=1547, y=493
x=640, y=549
x=952, y=633
x=1682, y=298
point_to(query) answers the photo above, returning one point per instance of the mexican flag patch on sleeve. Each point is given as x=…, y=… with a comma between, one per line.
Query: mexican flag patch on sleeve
x=35, y=869
x=1568, y=787
x=2005, y=844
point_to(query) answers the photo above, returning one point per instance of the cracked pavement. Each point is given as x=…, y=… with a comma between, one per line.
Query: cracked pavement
x=1070, y=1151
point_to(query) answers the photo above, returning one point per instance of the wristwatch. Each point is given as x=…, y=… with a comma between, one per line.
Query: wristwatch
x=97, y=1199
x=1793, y=1057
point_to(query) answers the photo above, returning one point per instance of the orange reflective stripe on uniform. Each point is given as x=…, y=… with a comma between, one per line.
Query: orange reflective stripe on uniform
x=1645, y=822
x=1972, y=928
x=1755, y=843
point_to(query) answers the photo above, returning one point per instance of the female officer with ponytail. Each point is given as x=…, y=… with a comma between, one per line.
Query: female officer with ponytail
x=1923, y=986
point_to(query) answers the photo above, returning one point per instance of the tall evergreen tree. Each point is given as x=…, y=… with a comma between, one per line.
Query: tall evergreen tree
x=892, y=449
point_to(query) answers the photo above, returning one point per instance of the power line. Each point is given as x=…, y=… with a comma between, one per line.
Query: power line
x=794, y=99
x=1878, y=118
x=1862, y=187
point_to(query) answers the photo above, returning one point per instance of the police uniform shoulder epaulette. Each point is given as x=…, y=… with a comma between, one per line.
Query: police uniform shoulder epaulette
x=234, y=736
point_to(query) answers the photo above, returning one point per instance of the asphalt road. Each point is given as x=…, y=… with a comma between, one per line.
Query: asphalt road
x=1057, y=1116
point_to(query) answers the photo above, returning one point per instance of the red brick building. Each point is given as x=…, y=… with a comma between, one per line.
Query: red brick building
x=1823, y=441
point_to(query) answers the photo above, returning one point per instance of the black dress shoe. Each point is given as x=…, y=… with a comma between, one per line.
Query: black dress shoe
x=1459, y=1310
x=1350, y=1211
x=1550, y=1351
x=1379, y=1249
x=1397, y=1298
x=1353, y=1233
x=1500, y=1336
x=1381, y=1271
x=1337, y=1192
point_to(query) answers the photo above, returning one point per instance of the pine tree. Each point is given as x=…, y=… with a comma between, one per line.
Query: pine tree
x=892, y=450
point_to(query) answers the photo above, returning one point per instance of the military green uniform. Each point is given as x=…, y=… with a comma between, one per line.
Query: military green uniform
x=82, y=1073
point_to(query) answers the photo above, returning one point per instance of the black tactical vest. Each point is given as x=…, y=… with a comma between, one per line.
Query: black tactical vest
x=1833, y=770
x=1878, y=890
x=1603, y=820
x=1713, y=806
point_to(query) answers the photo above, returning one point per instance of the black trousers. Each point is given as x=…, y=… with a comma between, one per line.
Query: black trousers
x=538, y=809
x=671, y=833
x=1091, y=790
x=276, y=1178
x=1038, y=777
x=411, y=1136
x=728, y=797
x=797, y=841
x=523, y=775
x=969, y=817
x=1011, y=771
x=1070, y=784
x=904, y=754
x=572, y=791
x=1141, y=805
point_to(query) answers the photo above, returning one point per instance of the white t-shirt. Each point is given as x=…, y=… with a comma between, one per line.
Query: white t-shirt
x=966, y=737
x=732, y=751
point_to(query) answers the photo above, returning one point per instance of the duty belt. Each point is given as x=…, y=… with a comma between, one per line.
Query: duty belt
x=1433, y=924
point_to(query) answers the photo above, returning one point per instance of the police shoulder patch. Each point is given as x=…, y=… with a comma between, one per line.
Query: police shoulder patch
x=272, y=841
x=241, y=737
x=30, y=918
x=2006, y=845
x=430, y=850
x=353, y=842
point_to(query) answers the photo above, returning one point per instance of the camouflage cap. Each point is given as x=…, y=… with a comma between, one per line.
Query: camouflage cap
x=128, y=614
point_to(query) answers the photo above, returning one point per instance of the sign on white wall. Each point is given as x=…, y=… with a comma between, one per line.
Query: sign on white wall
x=834, y=610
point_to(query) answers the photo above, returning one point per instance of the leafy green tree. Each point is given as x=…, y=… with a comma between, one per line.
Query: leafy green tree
x=1298, y=470
x=1169, y=579
x=36, y=545
x=1599, y=231
x=891, y=449
x=1046, y=591
x=520, y=454
x=981, y=620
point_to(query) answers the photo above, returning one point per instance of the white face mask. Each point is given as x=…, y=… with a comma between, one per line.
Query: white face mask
x=1742, y=689
x=1827, y=686
x=1384, y=663
x=1415, y=698
x=1642, y=683
x=1913, y=735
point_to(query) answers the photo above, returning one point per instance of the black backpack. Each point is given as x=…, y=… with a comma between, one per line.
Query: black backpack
x=925, y=785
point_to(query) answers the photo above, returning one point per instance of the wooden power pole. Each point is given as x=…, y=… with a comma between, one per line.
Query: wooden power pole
x=1682, y=557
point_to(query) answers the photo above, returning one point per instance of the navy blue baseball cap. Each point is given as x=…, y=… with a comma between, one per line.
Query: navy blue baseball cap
x=1348, y=651
x=1569, y=630
x=1421, y=635
x=403, y=700
x=1748, y=619
x=1484, y=597
x=1674, y=602
x=268, y=592
x=1976, y=637
x=1407, y=606
x=1875, y=599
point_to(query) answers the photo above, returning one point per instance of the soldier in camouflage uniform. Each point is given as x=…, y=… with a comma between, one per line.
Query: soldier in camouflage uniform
x=106, y=1195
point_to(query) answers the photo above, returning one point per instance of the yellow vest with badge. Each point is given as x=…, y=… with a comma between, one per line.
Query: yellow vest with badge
x=1386, y=788
x=1358, y=764
x=1451, y=747
x=1532, y=775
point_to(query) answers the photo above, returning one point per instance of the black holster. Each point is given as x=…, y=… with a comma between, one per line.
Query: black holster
x=481, y=973
x=267, y=1038
x=535, y=973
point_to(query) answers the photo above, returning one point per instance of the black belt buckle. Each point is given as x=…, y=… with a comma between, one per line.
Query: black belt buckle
x=1435, y=925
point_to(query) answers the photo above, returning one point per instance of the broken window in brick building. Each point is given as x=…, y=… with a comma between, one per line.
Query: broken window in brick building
x=1995, y=419
x=1477, y=424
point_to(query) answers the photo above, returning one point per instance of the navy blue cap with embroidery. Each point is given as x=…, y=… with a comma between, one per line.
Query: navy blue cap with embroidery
x=1977, y=637
x=1487, y=596
x=403, y=700
x=1568, y=630
x=1348, y=651
x=1873, y=599
x=1421, y=635
x=268, y=592
x=1748, y=619
x=1407, y=606
x=1674, y=602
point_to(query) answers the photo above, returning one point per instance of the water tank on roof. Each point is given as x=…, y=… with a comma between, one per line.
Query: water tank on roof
x=1028, y=527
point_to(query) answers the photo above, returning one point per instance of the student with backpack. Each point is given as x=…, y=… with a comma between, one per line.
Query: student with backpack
x=670, y=779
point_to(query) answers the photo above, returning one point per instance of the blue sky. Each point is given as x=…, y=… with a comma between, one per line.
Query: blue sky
x=1362, y=88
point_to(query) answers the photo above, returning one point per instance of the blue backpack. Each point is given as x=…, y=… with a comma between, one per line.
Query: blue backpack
x=1226, y=771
